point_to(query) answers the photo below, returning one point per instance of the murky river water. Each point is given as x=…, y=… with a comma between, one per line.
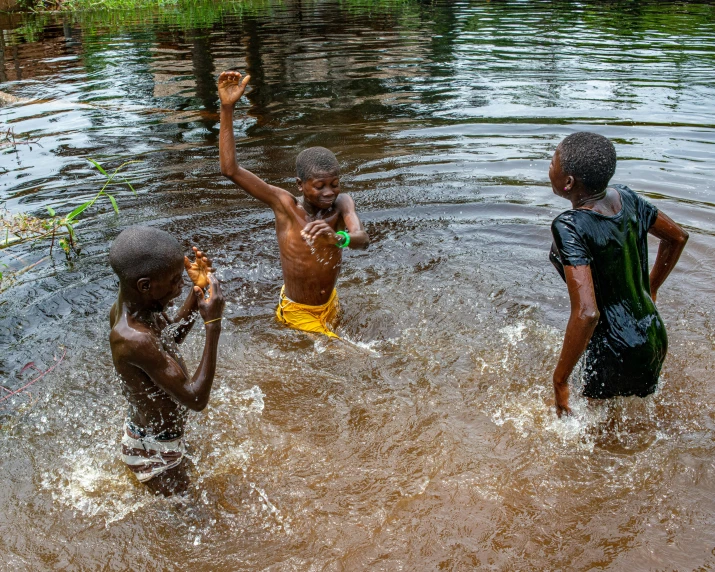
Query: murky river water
x=433, y=446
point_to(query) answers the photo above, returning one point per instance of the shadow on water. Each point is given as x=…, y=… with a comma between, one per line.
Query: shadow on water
x=432, y=445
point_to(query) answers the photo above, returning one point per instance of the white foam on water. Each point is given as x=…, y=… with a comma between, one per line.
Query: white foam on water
x=514, y=333
x=249, y=401
x=89, y=483
x=282, y=522
x=368, y=347
x=531, y=411
x=93, y=482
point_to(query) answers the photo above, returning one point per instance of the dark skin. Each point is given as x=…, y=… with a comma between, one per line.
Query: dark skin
x=144, y=343
x=306, y=226
x=579, y=281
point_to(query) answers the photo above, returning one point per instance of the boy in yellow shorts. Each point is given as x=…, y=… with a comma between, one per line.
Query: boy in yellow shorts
x=312, y=229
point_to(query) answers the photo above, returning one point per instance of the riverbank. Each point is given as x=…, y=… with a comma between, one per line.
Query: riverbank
x=41, y=6
x=71, y=5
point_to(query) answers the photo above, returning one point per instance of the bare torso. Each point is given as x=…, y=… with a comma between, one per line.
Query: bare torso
x=310, y=272
x=150, y=407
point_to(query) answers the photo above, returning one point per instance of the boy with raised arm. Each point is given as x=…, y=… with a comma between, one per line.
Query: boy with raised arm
x=312, y=229
x=144, y=340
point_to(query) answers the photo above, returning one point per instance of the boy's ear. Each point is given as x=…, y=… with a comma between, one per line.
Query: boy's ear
x=144, y=284
x=299, y=182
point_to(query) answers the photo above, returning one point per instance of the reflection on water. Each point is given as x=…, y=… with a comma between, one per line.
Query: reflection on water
x=430, y=444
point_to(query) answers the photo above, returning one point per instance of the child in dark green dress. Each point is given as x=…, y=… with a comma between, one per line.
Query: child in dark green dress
x=601, y=251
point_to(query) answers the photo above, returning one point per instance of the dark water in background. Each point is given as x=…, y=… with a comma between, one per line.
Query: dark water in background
x=434, y=446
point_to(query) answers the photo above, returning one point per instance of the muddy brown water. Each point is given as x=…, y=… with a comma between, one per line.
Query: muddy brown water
x=432, y=445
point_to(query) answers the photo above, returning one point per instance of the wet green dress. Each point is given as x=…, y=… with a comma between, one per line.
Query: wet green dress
x=628, y=346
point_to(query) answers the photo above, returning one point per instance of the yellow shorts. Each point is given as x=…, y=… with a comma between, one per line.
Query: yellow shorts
x=316, y=319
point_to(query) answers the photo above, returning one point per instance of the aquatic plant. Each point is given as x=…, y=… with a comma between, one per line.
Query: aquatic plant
x=19, y=228
x=130, y=5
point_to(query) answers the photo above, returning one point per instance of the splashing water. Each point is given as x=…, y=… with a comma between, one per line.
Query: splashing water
x=429, y=441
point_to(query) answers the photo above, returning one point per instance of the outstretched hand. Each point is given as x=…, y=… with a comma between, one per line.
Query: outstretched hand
x=198, y=270
x=230, y=87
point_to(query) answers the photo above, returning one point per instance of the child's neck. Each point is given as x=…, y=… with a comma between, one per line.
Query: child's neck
x=137, y=308
x=586, y=200
x=312, y=210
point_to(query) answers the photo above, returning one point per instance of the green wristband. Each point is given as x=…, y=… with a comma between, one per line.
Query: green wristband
x=346, y=237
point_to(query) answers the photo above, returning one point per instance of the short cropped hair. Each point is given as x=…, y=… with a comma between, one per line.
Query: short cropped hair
x=589, y=157
x=143, y=252
x=316, y=160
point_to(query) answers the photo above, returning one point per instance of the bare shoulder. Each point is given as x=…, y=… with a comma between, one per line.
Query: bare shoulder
x=287, y=199
x=131, y=341
x=345, y=203
x=290, y=209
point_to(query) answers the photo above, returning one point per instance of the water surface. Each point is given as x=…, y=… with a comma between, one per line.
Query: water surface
x=433, y=445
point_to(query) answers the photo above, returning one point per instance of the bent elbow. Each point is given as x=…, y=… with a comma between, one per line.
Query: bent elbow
x=590, y=316
x=684, y=238
x=198, y=404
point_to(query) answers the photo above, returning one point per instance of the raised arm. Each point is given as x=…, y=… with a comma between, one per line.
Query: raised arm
x=166, y=373
x=185, y=317
x=230, y=90
x=582, y=323
x=198, y=271
x=672, y=242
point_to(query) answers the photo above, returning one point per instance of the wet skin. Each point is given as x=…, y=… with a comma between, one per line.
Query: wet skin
x=145, y=352
x=585, y=315
x=306, y=227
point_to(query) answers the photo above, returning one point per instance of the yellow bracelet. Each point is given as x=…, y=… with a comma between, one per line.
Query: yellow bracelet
x=214, y=320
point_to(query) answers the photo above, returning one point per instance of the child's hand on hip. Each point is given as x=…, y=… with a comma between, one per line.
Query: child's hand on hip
x=230, y=87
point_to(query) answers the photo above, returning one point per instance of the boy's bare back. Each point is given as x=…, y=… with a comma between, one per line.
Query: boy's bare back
x=144, y=343
x=149, y=406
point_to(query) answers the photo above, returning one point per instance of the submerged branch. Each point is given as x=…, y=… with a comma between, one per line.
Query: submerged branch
x=38, y=378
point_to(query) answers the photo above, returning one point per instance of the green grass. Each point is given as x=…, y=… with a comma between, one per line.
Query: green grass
x=113, y=16
x=129, y=15
x=221, y=6
x=88, y=5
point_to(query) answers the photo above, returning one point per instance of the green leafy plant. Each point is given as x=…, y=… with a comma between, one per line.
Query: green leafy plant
x=21, y=227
